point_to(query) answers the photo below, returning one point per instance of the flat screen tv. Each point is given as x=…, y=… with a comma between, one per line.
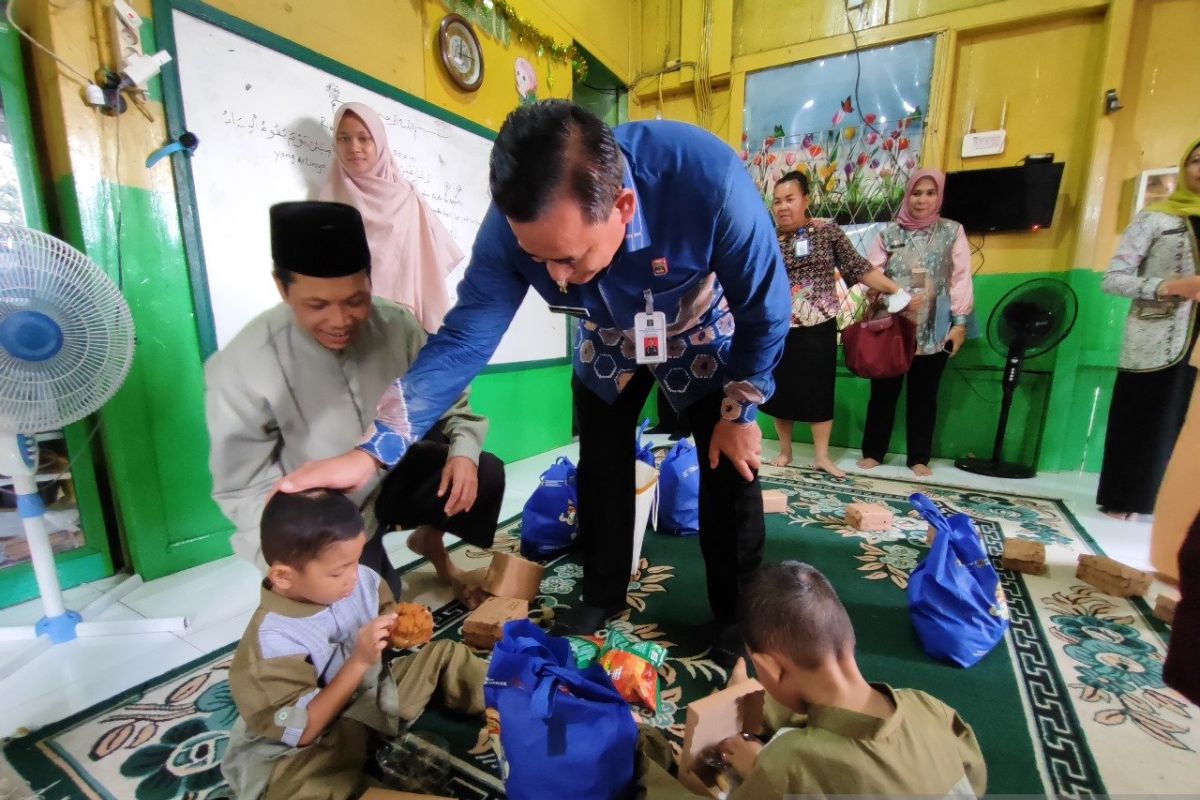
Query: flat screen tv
x=1004, y=198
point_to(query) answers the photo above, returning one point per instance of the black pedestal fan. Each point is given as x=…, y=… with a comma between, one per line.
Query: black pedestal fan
x=1030, y=320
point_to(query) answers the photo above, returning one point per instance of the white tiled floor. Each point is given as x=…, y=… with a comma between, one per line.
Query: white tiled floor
x=220, y=597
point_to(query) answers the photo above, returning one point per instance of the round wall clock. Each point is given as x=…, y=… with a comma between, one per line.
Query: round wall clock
x=461, y=54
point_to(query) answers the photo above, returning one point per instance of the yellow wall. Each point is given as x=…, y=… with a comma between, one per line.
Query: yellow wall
x=1160, y=91
x=1052, y=60
x=1048, y=73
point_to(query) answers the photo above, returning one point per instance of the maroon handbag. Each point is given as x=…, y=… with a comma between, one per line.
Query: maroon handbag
x=880, y=348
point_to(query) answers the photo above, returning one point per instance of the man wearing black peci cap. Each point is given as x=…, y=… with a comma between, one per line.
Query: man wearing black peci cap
x=301, y=380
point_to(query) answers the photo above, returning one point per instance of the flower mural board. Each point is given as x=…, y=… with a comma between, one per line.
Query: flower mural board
x=855, y=134
x=1071, y=698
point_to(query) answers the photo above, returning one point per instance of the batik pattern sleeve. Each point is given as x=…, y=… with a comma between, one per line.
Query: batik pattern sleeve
x=488, y=297
x=1124, y=277
x=748, y=263
x=850, y=264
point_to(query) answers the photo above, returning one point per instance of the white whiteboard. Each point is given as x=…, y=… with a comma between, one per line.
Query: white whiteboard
x=264, y=122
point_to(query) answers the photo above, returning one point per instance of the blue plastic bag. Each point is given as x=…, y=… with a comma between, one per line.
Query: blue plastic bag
x=563, y=732
x=679, y=491
x=645, y=450
x=954, y=596
x=548, y=521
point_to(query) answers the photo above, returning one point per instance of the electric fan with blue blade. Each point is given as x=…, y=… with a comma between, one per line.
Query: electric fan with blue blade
x=66, y=344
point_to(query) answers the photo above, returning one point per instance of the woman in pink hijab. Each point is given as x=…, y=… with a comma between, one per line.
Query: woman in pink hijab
x=411, y=251
x=930, y=258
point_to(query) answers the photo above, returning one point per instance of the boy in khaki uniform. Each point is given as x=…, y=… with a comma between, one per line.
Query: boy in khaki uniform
x=307, y=678
x=829, y=732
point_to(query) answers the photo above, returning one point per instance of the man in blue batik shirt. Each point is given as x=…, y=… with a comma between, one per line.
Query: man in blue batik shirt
x=606, y=225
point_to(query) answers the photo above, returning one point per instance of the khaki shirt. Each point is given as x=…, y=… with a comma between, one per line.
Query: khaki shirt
x=924, y=748
x=276, y=399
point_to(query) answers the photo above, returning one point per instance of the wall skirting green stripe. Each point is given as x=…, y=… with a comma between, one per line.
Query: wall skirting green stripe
x=1060, y=410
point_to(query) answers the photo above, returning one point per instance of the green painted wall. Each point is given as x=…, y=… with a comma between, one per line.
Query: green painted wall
x=1060, y=409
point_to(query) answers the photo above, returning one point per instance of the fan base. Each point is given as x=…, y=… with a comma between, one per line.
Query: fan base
x=995, y=469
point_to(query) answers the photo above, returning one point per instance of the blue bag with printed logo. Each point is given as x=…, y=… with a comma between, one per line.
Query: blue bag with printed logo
x=559, y=731
x=548, y=523
x=679, y=491
x=957, y=605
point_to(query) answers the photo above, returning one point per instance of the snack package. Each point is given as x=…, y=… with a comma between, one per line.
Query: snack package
x=585, y=649
x=633, y=666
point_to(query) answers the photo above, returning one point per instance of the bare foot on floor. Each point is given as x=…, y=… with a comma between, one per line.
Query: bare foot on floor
x=921, y=470
x=426, y=541
x=781, y=460
x=1121, y=516
x=826, y=465
x=867, y=463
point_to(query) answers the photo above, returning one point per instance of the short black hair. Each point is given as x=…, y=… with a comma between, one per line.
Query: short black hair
x=798, y=177
x=791, y=609
x=296, y=527
x=552, y=146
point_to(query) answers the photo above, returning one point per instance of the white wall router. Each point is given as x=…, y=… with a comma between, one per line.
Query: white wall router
x=984, y=143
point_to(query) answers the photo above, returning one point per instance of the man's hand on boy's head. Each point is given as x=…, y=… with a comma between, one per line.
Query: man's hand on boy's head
x=741, y=753
x=372, y=639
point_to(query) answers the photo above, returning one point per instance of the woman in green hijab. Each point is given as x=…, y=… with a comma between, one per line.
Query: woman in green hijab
x=1156, y=267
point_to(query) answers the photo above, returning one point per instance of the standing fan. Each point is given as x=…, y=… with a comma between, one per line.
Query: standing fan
x=1030, y=320
x=66, y=344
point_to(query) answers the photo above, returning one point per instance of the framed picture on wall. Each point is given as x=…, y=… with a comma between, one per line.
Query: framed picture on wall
x=1154, y=185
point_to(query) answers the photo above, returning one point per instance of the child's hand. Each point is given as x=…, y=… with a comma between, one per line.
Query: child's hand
x=741, y=753
x=738, y=674
x=372, y=639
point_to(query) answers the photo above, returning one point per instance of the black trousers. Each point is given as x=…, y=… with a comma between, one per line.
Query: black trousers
x=1147, y=413
x=408, y=499
x=732, y=529
x=923, y=380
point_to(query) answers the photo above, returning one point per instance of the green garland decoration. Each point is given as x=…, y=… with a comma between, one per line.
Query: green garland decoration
x=499, y=20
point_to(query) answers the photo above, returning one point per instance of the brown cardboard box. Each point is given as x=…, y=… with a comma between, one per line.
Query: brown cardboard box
x=869, y=517
x=484, y=627
x=1025, y=556
x=512, y=576
x=473, y=593
x=712, y=719
x=1164, y=608
x=1112, y=577
x=389, y=794
x=774, y=502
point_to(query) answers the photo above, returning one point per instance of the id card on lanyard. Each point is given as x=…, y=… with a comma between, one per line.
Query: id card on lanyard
x=800, y=245
x=650, y=334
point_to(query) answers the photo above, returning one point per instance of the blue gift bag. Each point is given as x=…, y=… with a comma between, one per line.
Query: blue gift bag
x=548, y=523
x=679, y=491
x=563, y=732
x=954, y=596
x=645, y=450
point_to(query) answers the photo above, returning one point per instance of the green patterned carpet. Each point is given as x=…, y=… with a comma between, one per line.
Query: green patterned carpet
x=1072, y=703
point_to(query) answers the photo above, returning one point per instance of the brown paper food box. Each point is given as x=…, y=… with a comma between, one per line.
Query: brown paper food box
x=389, y=794
x=1025, y=556
x=774, y=502
x=869, y=517
x=1112, y=577
x=1164, y=608
x=484, y=627
x=512, y=576
x=712, y=719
